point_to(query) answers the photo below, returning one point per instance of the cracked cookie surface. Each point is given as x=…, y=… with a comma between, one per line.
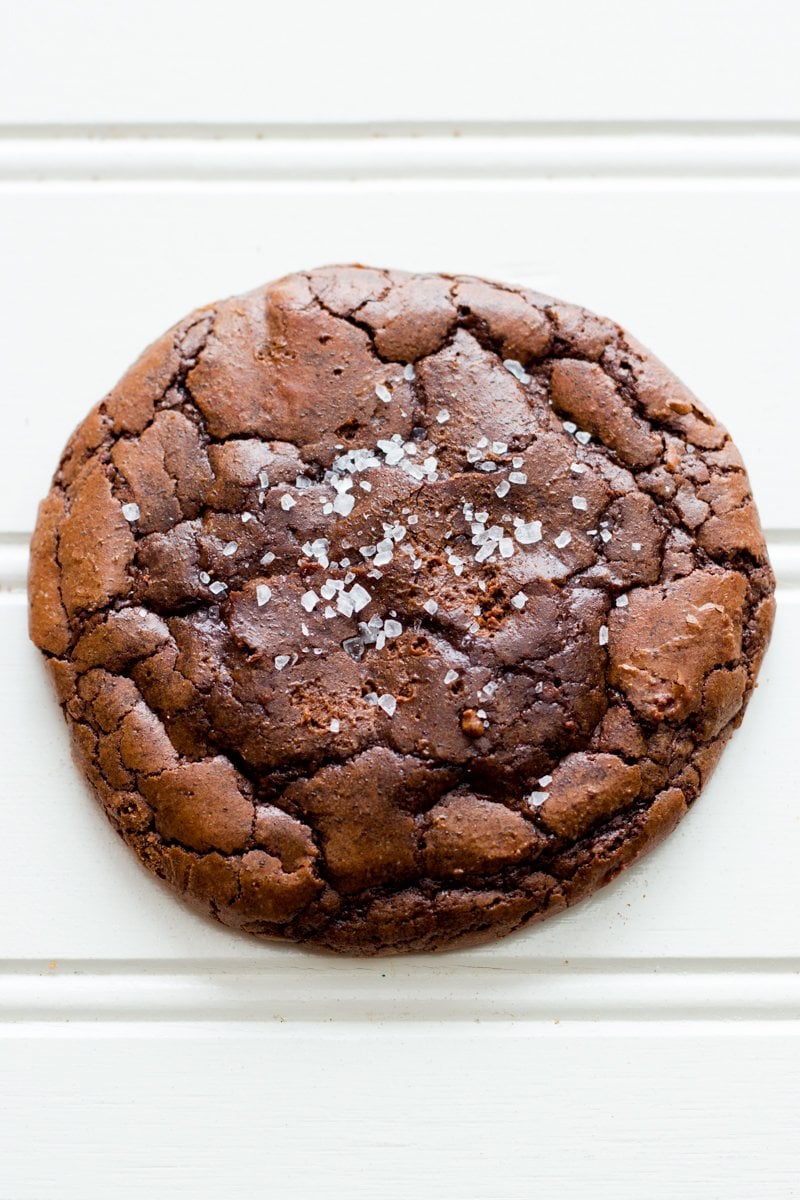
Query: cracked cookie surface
x=392, y=611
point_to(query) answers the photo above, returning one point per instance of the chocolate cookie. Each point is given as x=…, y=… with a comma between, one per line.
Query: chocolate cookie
x=394, y=611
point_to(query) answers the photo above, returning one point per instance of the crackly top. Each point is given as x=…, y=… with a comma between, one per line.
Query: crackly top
x=390, y=610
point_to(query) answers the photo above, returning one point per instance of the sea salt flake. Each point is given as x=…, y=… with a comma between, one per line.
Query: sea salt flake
x=268, y=558
x=605, y=534
x=488, y=466
x=281, y=661
x=563, y=539
x=131, y=512
x=230, y=548
x=247, y=516
x=217, y=587
x=359, y=596
x=502, y=489
x=430, y=606
x=528, y=533
x=545, y=781
x=517, y=461
x=443, y=416
x=343, y=504
x=345, y=605
x=409, y=371
x=580, y=503
x=334, y=726
x=383, y=393
x=621, y=602
x=520, y=600
x=309, y=601
x=570, y=426
x=287, y=502
x=263, y=594
x=636, y=546
x=603, y=635
x=263, y=479
x=388, y=703
x=392, y=629
x=499, y=447
x=451, y=677
x=329, y=613
x=365, y=485
x=506, y=547
x=583, y=437
x=577, y=468
x=354, y=647
x=537, y=798
x=518, y=477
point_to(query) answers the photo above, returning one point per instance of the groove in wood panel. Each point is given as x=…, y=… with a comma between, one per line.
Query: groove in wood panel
x=233, y=155
x=322, y=991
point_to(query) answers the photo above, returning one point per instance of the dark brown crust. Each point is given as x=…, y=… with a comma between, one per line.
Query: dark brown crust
x=532, y=737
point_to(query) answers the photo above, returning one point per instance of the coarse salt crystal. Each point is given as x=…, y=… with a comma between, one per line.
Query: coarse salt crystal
x=545, y=781
x=520, y=600
x=518, y=477
x=217, y=587
x=636, y=546
x=287, y=502
x=621, y=602
x=499, y=447
x=359, y=596
x=409, y=371
x=605, y=534
x=443, y=416
x=246, y=516
x=263, y=594
x=343, y=504
x=583, y=437
x=309, y=601
x=537, y=798
x=345, y=605
x=451, y=677
x=603, y=635
x=580, y=503
x=388, y=703
x=506, y=547
x=131, y=512
x=334, y=726
x=392, y=629
x=502, y=489
x=563, y=539
x=528, y=533
x=281, y=661
x=230, y=548
x=431, y=606
x=383, y=393
x=570, y=426
x=577, y=468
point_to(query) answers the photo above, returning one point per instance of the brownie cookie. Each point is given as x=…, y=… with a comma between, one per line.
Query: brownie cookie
x=395, y=611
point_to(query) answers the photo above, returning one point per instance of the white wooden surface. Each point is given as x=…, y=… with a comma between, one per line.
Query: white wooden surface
x=643, y=159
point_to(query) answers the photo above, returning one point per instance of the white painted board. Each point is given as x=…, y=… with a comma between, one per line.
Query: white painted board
x=641, y=159
x=257, y=62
